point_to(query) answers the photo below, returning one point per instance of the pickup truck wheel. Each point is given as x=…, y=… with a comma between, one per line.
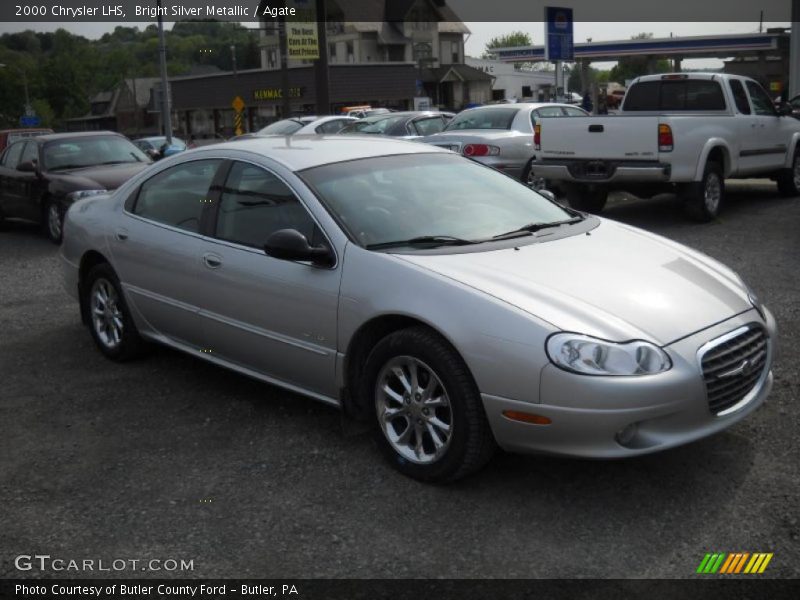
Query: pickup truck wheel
x=789, y=179
x=530, y=179
x=704, y=198
x=587, y=199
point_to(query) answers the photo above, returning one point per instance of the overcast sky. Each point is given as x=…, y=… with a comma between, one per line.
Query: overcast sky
x=483, y=32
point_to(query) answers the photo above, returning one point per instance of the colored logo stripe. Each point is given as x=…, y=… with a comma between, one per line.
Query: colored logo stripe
x=734, y=562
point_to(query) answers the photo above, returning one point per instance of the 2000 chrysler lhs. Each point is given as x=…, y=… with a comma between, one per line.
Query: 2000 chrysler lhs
x=454, y=307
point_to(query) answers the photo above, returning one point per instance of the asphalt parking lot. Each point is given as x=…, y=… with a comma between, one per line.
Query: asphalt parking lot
x=171, y=458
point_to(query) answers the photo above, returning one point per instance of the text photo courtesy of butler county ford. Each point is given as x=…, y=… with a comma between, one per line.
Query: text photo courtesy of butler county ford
x=346, y=295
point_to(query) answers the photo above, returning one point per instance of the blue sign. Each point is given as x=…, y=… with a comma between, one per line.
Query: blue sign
x=30, y=121
x=558, y=34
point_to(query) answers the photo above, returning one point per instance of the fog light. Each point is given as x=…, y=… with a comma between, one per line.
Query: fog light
x=625, y=436
x=524, y=417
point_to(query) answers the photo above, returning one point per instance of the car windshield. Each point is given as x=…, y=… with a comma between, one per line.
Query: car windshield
x=373, y=125
x=483, y=118
x=78, y=152
x=285, y=127
x=389, y=199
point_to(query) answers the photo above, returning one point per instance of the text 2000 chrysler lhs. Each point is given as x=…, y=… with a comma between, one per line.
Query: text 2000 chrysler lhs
x=447, y=303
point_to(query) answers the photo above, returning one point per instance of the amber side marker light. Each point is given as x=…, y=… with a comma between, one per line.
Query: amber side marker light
x=524, y=417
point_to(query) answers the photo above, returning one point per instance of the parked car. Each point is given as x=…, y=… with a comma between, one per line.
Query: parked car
x=40, y=177
x=407, y=125
x=156, y=147
x=9, y=136
x=501, y=136
x=446, y=304
x=361, y=112
x=307, y=125
x=679, y=132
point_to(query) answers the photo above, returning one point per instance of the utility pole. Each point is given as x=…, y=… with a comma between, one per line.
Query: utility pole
x=286, y=105
x=233, y=58
x=322, y=73
x=166, y=109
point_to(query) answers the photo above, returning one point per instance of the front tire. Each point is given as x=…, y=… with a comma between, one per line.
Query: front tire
x=109, y=317
x=53, y=221
x=789, y=179
x=704, y=199
x=587, y=198
x=429, y=417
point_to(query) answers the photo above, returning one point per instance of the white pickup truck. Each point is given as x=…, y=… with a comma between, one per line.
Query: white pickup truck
x=681, y=132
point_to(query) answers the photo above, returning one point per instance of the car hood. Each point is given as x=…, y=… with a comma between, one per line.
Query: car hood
x=614, y=282
x=108, y=177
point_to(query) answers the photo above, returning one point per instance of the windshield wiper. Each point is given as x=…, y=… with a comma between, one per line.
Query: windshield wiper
x=425, y=240
x=533, y=227
x=116, y=162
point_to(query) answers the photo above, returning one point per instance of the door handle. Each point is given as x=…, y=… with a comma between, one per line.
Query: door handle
x=212, y=261
x=121, y=234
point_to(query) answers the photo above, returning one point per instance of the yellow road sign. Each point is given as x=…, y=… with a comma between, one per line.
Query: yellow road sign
x=238, y=104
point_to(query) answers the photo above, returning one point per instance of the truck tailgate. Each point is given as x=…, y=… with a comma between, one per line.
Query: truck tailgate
x=608, y=138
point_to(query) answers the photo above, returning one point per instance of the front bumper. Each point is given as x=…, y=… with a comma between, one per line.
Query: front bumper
x=587, y=413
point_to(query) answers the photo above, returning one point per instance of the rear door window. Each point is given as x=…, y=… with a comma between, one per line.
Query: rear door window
x=12, y=155
x=177, y=196
x=428, y=125
x=740, y=97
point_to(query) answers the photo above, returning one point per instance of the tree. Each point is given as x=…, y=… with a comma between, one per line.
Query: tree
x=630, y=67
x=515, y=38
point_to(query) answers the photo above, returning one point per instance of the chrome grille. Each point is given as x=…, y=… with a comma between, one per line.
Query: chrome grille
x=733, y=365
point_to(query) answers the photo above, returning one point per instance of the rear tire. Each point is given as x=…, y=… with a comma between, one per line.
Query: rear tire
x=530, y=179
x=587, y=198
x=704, y=199
x=429, y=417
x=789, y=179
x=109, y=317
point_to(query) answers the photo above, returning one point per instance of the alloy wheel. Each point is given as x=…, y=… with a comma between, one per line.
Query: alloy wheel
x=54, y=224
x=413, y=410
x=712, y=193
x=106, y=313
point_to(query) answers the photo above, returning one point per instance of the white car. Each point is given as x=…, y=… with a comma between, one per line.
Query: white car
x=307, y=125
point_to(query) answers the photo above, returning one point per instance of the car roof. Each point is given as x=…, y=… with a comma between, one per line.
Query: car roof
x=300, y=152
x=53, y=137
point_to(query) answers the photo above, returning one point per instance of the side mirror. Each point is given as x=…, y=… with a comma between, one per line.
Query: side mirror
x=27, y=166
x=785, y=109
x=153, y=154
x=547, y=194
x=290, y=244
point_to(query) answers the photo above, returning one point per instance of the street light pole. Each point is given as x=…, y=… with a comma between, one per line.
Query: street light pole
x=166, y=110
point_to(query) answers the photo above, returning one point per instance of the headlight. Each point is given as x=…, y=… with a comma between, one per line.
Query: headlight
x=74, y=196
x=591, y=356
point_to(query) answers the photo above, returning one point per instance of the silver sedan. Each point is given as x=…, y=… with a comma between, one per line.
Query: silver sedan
x=501, y=135
x=449, y=306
